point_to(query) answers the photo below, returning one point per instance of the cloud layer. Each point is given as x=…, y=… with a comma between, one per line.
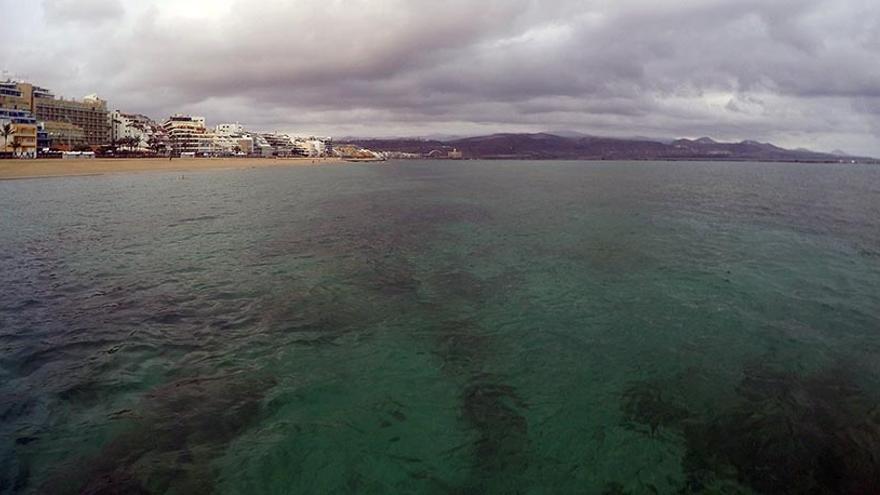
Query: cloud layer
x=798, y=72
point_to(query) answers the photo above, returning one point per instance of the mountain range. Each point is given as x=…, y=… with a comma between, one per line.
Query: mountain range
x=574, y=146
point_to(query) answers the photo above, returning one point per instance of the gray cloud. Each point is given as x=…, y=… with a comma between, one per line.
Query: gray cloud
x=86, y=11
x=798, y=72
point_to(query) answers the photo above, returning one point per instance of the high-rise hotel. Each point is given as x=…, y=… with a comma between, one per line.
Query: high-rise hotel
x=69, y=123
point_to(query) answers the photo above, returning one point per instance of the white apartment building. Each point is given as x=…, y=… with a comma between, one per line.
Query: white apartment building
x=261, y=146
x=235, y=129
x=232, y=145
x=313, y=146
x=282, y=144
x=232, y=139
x=125, y=126
x=188, y=134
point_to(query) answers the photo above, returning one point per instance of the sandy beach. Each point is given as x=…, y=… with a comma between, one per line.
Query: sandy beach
x=31, y=169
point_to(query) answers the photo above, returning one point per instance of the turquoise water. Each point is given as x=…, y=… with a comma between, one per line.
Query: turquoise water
x=431, y=327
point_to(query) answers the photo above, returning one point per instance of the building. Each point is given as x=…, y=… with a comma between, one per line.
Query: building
x=313, y=146
x=261, y=147
x=235, y=129
x=16, y=108
x=16, y=95
x=66, y=136
x=188, y=134
x=25, y=129
x=245, y=144
x=127, y=126
x=232, y=145
x=62, y=116
x=232, y=139
x=90, y=115
x=282, y=144
x=44, y=142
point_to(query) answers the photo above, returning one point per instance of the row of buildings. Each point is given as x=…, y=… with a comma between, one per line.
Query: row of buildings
x=189, y=134
x=38, y=121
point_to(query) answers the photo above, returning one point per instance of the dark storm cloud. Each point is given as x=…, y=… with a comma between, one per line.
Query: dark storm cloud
x=800, y=72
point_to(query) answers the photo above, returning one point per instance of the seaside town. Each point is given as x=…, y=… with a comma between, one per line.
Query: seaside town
x=34, y=122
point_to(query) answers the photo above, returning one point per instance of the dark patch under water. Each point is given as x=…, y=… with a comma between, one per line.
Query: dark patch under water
x=168, y=438
x=785, y=433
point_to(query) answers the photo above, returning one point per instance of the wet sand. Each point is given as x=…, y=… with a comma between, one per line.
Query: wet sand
x=29, y=169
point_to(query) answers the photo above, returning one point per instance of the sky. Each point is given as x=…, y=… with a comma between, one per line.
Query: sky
x=798, y=73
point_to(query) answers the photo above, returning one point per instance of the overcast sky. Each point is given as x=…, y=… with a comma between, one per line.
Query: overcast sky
x=795, y=72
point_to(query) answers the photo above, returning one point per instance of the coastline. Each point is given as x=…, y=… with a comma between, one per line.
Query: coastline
x=44, y=169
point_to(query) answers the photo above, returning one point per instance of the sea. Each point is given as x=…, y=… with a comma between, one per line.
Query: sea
x=509, y=327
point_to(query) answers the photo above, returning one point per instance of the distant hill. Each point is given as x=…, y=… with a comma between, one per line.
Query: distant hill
x=546, y=146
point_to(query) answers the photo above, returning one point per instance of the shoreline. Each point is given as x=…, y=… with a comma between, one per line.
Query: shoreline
x=47, y=169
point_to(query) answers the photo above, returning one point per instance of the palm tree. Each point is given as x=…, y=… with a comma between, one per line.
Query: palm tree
x=7, y=130
x=155, y=144
x=126, y=142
